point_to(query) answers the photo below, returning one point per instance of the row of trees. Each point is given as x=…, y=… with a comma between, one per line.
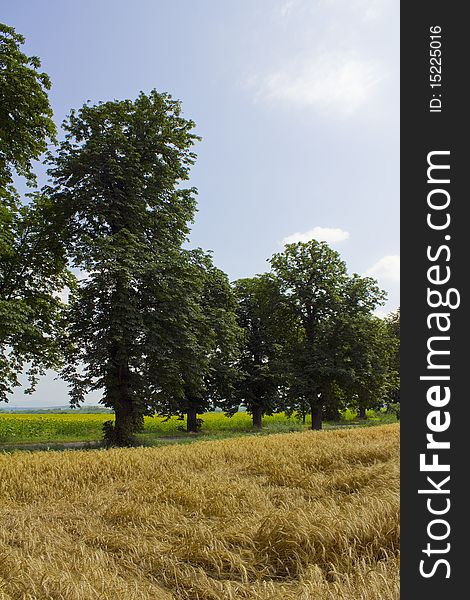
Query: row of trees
x=311, y=343
x=153, y=325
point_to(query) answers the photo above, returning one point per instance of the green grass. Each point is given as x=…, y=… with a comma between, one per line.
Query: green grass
x=54, y=429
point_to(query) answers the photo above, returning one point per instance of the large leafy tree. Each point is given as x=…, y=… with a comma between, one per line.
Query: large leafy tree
x=206, y=348
x=116, y=187
x=32, y=262
x=265, y=324
x=368, y=351
x=318, y=291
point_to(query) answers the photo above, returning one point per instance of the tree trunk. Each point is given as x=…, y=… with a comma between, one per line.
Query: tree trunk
x=138, y=422
x=303, y=411
x=316, y=416
x=362, y=412
x=123, y=418
x=126, y=414
x=257, y=416
x=119, y=384
x=191, y=423
x=124, y=425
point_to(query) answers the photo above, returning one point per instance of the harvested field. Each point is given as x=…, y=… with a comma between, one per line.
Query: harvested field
x=308, y=515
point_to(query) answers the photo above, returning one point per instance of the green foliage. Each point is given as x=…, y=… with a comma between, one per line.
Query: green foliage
x=368, y=350
x=25, y=113
x=116, y=181
x=219, y=338
x=117, y=436
x=393, y=324
x=150, y=322
x=394, y=408
x=321, y=296
x=265, y=324
x=33, y=273
x=32, y=262
x=204, y=344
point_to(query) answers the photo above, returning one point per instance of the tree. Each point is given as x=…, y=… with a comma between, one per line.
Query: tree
x=32, y=261
x=25, y=113
x=369, y=351
x=33, y=273
x=264, y=322
x=211, y=345
x=318, y=290
x=202, y=346
x=393, y=324
x=116, y=187
x=314, y=369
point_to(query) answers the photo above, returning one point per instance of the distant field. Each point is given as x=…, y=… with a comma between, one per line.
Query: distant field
x=310, y=515
x=20, y=428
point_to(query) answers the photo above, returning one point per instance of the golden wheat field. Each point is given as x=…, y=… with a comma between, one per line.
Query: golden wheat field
x=307, y=515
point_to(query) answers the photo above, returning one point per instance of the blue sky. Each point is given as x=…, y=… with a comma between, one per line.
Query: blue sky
x=297, y=102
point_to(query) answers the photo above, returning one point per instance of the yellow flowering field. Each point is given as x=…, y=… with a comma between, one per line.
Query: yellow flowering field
x=21, y=428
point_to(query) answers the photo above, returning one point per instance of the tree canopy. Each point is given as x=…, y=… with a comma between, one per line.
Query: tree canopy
x=264, y=320
x=369, y=350
x=314, y=282
x=211, y=341
x=152, y=323
x=32, y=261
x=26, y=122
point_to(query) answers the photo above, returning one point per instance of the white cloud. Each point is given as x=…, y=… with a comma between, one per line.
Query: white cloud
x=386, y=269
x=372, y=10
x=365, y=10
x=285, y=8
x=323, y=234
x=329, y=81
